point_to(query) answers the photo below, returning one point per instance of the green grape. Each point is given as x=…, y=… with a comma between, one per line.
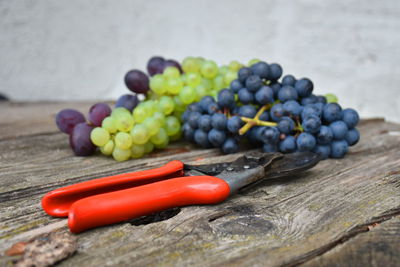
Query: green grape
x=160, y=117
x=171, y=72
x=187, y=95
x=140, y=113
x=190, y=64
x=109, y=124
x=200, y=60
x=219, y=83
x=162, y=145
x=99, y=136
x=184, y=78
x=167, y=104
x=119, y=111
x=223, y=70
x=208, y=84
x=235, y=66
x=121, y=154
x=151, y=106
x=176, y=136
x=178, y=103
x=124, y=122
x=108, y=148
x=331, y=98
x=193, y=79
x=200, y=91
x=160, y=137
x=137, y=151
x=229, y=77
x=152, y=125
x=209, y=69
x=172, y=125
x=157, y=84
x=178, y=114
x=174, y=85
x=150, y=95
x=140, y=134
x=253, y=61
x=148, y=147
x=123, y=140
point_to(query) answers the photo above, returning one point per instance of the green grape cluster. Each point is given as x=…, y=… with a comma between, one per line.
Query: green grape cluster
x=124, y=134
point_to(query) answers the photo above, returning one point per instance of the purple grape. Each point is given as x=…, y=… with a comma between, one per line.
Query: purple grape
x=155, y=65
x=127, y=101
x=98, y=112
x=79, y=140
x=172, y=63
x=66, y=120
x=137, y=81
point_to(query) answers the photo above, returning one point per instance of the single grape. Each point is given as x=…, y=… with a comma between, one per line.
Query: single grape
x=234, y=124
x=277, y=112
x=159, y=117
x=66, y=120
x=200, y=92
x=193, y=79
x=304, y=87
x=243, y=74
x=108, y=148
x=339, y=129
x=339, y=149
x=253, y=83
x=188, y=132
x=158, y=84
x=205, y=123
x=216, y=137
x=218, y=83
x=167, y=104
x=140, y=134
x=99, y=136
x=127, y=101
x=119, y=111
x=229, y=77
x=245, y=96
x=79, y=140
x=219, y=121
x=155, y=65
x=137, y=151
x=350, y=117
x=264, y=95
x=137, y=81
x=235, y=65
x=230, y=146
x=212, y=108
x=193, y=119
x=270, y=135
x=172, y=125
x=190, y=64
x=311, y=124
x=310, y=110
x=331, y=98
x=332, y=112
x=226, y=98
x=323, y=150
x=187, y=95
x=287, y=93
x=159, y=138
x=275, y=72
x=352, y=137
x=174, y=85
x=305, y=142
x=286, y=125
x=124, y=122
x=171, y=72
x=236, y=85
x=289, y=80
x=325, y=135
x=292, y=107
x=121, y=154
x=288, y=145
x=152, y=125
x=247, y=111
x=123, y=140
x=261, y=69
x=201, y=138
x=209, y=69
x=148, y=147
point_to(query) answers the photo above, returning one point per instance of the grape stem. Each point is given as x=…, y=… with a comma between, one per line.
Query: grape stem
x=250, y=122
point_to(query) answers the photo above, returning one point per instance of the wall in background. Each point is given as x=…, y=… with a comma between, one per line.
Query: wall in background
x=80, y=50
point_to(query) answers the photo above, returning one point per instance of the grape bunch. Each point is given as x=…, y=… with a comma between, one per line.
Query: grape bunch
x=278, y=114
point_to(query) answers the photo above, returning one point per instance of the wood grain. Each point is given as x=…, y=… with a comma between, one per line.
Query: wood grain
x=309, y=218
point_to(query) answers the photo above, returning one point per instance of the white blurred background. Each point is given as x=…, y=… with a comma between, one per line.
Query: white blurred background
x=80, y=50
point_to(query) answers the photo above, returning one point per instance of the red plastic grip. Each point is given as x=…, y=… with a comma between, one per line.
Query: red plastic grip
x=131, y=203
x=58, y=202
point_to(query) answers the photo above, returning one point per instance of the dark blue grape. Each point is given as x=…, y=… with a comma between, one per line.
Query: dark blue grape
x=230, y=146
x=275, y=87
x=185, y=115
x=261, y=69
x=137, y=81
x=275, y=72
x=325, y=135
x=127, y=101
x=286, y=125
x=66, y=120
x=320, y=108
x=201, y=138
x=311, y=124
x=264, y=95
x=269, y=148
x=212, y=108
x=323, y=150
x=288, y=144
x=287, y=93
x=277, y=112
x=195, y=107
x=350, y=117
x=234, y=124
x=98, y=112
x=310, y=110
x=216, y=137
x=188, y=132
x=332, y=112
x=339, y=149
x=312, y=99
x=218, y=121
x=253, y=83
x=292, y=107
x=226, y=98
x=339, y=129
x=79, y=140
x=243, y=74
x=245, y=96
x=247, y=111
x=236, y=85
x=205, y=122
x=352, y=137
x=155, y=65
x=254, y=134
x=304, y=87
x=321, y=99
x=305, y=142
x=205, y=102
x=289, y=80
x=193, y=119
x=270, y=135
x=264, y=116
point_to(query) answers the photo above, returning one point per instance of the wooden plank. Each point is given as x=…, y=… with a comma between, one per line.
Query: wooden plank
x=288, y=221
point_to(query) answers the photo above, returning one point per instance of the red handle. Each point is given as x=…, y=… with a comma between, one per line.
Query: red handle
x=131, y=203
x=58, y=202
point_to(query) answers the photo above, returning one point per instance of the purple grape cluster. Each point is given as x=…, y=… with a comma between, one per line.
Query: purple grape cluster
x=278, y=114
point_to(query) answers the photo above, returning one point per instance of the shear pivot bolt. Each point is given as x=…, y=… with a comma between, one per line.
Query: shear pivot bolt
x=246, y=167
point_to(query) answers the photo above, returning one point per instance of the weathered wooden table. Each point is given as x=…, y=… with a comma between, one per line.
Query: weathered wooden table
x=342, y=212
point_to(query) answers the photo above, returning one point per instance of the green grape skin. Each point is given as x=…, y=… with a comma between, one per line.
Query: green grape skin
x=208, y=84
x=178, y=114
x=99, y=136
x=200, y=60
x=137, y=151
x=172, y=125
x=187, y=95
x=331, y=98
x=171, y=72
x=157, y=84
x=229, y=77
x=124, y=122
x=190, y=64
x=123, y=140
x=209, y=69
x=139, y=134
x=193, y=79
x=151, y=106
x=140, y=113
x=176, y=136
x=184, y=79
x=160, y=137
x=200, y=91
x=108, y=148
x=174, y=85
x=167, y=104
x=119, y=111
x=223, y=70
x=179, y=104
x=219, y=83
x=148, y=147
x=109, y=124
x=235, y=66
x=121, y=154
x=160, y=117
x=162, y=145
x=253, y=61
x=152, y=125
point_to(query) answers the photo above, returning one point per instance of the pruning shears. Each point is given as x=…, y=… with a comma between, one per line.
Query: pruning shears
x=117, y=198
